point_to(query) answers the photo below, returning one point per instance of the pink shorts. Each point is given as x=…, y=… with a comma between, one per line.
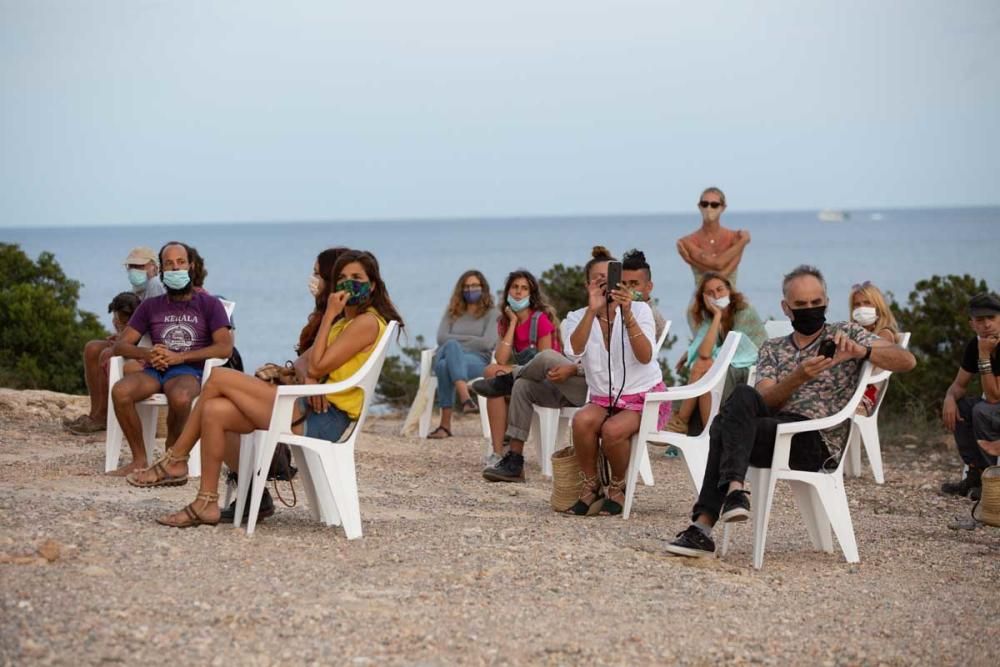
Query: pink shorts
x=635, y=402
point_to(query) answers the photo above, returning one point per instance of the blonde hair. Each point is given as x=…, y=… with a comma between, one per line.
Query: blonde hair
x=885, y=320
x=457, y=305
x=715, y=191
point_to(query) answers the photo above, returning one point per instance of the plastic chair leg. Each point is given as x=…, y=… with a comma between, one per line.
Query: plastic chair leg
x=762, y=486
x=852, y=464
x=148, y=416
x=248, y=454
x=548, y=430
x=309, y=482
x=632, y=476
x=339, y=467
x=112, y=441
x=839, y=513
x=645, y=467
x=484, y=420
x=424, y=424
x=868, y=429
x=807, y=497
x=695, y=455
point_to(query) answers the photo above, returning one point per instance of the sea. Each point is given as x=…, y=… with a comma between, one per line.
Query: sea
x=265, y=267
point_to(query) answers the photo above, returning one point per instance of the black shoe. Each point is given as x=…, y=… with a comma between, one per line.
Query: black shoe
x=692, y=542
x=736, y=506
x=510, y=469
x=266, y=509
x=494, y=387
x=971, y=486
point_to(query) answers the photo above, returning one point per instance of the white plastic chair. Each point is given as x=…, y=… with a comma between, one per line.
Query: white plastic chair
x=865, y=428
x=327, y=468
x=694, y=449
x=148, y=410
x=428, y=387
x=550, y=426
x=821, y=496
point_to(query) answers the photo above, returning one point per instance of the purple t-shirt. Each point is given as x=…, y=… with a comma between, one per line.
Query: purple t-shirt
x=180, y=325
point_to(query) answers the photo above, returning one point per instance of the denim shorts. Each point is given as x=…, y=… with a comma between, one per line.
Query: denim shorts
x=172, y=372
x=329, y=425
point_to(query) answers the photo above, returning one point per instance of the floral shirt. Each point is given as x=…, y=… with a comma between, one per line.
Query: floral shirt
x=823, y=395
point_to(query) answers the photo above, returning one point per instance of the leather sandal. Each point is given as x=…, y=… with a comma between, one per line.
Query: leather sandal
x=583, y=507
x=440, y=433
x=191, y=514
x=163, y=478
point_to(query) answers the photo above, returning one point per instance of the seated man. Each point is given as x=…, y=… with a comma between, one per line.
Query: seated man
x=794, y=382
x=976, y=420
x=186, y=328
x=142, y=270
x=637, y=276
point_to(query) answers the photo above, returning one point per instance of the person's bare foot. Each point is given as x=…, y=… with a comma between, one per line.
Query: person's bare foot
x=203, y=510
x=149, y=475
x=135, y=466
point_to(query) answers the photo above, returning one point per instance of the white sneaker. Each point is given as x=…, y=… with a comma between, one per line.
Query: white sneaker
x=491, y=460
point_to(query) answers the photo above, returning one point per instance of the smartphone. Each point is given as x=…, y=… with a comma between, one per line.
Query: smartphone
x=614, y=277
x=828, y=348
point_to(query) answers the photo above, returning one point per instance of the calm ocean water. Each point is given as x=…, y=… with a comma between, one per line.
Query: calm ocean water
x=265, y=267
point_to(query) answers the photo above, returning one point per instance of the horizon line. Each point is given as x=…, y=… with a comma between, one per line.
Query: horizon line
x=485, y=218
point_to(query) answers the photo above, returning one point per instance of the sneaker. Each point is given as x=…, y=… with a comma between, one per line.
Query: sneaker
x=509, y=469
x=736, y=506
x=494, y=387
x=266, y=509
x=971, y=486
x=692, y=542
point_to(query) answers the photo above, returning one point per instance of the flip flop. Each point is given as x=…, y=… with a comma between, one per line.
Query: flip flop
x=433, y=435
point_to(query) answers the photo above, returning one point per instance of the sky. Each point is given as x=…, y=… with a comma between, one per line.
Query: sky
x=137, y=112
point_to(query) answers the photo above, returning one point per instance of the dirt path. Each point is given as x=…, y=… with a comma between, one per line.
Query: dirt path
x=455, y=570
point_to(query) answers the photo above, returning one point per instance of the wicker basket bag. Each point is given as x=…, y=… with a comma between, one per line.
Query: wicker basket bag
x=566, y=481
x=987, y=510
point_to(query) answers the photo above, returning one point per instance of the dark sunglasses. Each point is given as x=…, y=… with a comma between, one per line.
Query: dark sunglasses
x=857, y=286
x=706, y=204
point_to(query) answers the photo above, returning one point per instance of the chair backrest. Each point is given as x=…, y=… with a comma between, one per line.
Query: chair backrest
x=230, y=306
x=367, y=376
x=662, y=339
x=778, y=328
x=884, y=375
x=716, y=375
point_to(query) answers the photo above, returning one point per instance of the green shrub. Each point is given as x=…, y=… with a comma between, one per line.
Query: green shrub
x=400, y=378
x=937, y=317
x=42, y=333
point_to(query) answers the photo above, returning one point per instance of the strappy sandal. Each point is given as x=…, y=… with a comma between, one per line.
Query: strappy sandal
x=613, y=507
x=163, y=478
x=193, y=518
x=470, y=407
x=434, y=435
x=591, y=487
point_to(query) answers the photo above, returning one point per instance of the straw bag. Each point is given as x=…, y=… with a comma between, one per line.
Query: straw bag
x=566, y=481
x=987, y=510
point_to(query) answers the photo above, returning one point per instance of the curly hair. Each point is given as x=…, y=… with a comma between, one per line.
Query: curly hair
x=699, y=313
x=536, y=299
x=457, y=305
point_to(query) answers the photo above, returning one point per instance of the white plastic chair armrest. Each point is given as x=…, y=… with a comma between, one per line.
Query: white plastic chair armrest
x=299, y=390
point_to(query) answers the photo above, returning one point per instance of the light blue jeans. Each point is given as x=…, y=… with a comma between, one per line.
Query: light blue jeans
x=453, y=363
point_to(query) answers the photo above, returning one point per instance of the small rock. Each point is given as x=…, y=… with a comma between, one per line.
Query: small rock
x=49, y=550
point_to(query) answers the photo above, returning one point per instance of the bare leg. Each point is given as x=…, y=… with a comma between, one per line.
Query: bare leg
x=496, y=411
x=445, y=418
x=219, y=416
x=125, y=394
x=462, y=389
x=586, y=427
x=181, y=392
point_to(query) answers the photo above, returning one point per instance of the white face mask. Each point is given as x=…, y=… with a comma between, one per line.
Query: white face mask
x=315, y=285
x=721, y=303
x=865, y=315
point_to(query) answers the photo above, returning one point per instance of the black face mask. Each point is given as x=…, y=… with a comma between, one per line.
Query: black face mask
x=808, y=321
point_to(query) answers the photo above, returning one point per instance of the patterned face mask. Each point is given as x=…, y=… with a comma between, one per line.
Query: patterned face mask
x=359, y=291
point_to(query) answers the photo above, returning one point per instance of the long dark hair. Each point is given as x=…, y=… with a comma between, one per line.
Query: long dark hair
x=379, y=299
x=325, y=261
x=536, y=300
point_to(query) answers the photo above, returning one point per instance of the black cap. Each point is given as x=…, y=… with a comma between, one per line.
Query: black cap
x=984, y=305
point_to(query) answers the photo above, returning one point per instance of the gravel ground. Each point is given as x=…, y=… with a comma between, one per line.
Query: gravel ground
x=452, y=569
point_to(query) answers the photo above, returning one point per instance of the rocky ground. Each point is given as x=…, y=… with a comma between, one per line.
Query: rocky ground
x=455, y=570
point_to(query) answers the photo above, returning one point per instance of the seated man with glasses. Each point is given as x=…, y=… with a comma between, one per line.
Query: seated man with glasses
x=143, y=274
x=712, y=247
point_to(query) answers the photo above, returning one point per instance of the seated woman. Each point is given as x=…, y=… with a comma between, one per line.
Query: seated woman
x=465, y=338
x=526, y=327
x=352, y=324
x=869, y=309
x=625, y=331
x=320, y=288
x=716, y=310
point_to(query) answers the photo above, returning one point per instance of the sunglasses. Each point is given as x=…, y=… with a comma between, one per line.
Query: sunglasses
x=857, y=286
x=706, y=204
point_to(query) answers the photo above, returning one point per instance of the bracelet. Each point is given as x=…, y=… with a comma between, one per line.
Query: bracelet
x=868, y=353
x=503, y=342
x=635, y=335
x=985, y=367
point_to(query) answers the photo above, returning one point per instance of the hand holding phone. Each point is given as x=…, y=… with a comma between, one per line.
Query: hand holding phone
x=614, y=278
x=828, y=348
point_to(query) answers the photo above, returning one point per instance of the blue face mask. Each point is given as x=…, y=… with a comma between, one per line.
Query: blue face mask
x=472, y=295
x=176, y=279
x=358, y=290
x=138, y=277
x=517, y=305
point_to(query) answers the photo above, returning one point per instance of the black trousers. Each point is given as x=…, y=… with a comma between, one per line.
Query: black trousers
x=743, y=435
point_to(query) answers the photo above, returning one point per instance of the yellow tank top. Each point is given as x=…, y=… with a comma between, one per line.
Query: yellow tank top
x=351, y=400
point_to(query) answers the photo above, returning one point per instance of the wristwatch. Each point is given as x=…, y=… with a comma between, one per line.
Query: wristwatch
x=868, y=353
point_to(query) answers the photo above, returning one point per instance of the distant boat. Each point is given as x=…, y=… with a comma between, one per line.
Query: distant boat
x=876, y=217
x=833, y=215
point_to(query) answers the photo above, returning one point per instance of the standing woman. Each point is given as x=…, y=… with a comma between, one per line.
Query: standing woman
x=625, y=331
x=716, y=309
x=353, y=322
x=465, y=338
x=525, y=328
x=869, y=309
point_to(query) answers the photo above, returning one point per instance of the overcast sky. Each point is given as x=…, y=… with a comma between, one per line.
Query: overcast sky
x=132, y=111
